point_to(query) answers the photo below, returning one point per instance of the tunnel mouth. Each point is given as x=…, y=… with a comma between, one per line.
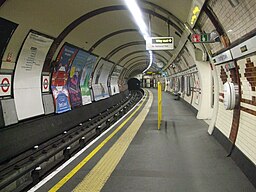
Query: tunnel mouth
x=134, y=84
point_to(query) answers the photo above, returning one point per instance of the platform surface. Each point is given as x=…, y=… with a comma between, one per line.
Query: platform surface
x=180, y=157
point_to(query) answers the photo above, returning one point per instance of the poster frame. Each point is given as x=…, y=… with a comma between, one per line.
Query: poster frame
x=18, y=56
x=108, y=83
x=79, y=49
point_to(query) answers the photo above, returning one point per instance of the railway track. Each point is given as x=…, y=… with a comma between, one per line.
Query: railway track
x=28, y=168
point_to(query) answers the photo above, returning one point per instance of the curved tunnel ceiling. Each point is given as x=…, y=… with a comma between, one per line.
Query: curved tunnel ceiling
x=104, y=28
x=141, y=57
x=134, y=53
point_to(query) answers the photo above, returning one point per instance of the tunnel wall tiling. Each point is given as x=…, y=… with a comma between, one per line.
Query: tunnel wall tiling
x=238, y=125
x=246, y=138
x=224, y=117
x=236, y=21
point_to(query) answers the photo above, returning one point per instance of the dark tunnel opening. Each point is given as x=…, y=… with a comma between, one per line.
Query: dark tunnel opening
x=133, y=84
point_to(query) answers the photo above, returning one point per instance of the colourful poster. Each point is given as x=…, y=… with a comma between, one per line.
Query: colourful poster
x=60, y=77
x=75, y=74
x=61, y=98
x=86, y=79
x=100, y=78
x=27, y=77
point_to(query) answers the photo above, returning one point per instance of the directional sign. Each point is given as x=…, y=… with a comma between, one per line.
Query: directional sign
x=160, y=43
x=5, y=85
x=201, y=38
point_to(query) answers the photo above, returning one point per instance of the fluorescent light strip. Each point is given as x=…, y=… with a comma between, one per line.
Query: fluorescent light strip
x=150, y=61
x=138, y=18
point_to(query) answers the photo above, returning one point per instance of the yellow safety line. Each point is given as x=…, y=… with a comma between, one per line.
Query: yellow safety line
x=87, y=158
x=98, y=176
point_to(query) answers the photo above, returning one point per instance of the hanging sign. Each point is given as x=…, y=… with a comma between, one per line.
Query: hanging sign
x=160, y=43
x=201, y=38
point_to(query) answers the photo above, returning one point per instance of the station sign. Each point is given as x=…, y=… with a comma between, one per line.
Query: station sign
x=45, y=83
x=5, y=85
x=160, y=43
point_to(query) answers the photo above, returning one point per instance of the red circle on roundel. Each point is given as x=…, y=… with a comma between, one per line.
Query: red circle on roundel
x=45, y=83
x=5, y=85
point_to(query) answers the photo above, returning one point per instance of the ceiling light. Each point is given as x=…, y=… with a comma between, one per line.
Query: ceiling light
x=138, y=18
x=150, y=61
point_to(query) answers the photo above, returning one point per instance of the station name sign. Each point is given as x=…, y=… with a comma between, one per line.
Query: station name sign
x=160, y=43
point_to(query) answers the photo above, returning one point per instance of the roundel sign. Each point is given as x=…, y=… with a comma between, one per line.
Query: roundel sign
x=45, y=84
x=5, y=85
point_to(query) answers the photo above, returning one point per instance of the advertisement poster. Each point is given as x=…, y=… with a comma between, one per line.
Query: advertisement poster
x=85, y=79
x=73, y=82
x=100, y=78
x=114, y=80
x=60, y=77
x=27, y=77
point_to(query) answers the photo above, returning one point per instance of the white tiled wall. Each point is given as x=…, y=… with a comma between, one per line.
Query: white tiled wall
x=246, y=138
x=225, y=117
x=237, y=21
x=247, y=92
x=208, y=27
x=224, y=120
x=189, y=58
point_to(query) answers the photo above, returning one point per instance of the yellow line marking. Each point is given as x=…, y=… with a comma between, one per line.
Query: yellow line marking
x=87, y=158
x=98, y=176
